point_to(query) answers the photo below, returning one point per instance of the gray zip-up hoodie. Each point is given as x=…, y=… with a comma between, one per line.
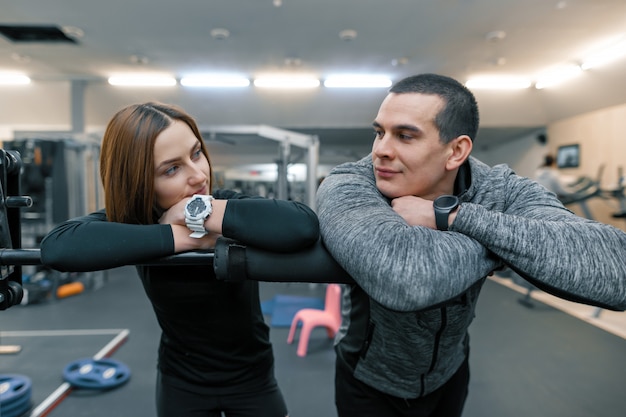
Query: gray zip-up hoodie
x=405, y=322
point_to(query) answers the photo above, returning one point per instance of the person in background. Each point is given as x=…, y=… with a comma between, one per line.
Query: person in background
x=419, y=224
x=214, y=356
x=548, y=176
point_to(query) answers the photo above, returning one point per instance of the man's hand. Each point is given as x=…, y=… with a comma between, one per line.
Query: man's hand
x=415, y=211
x=418, y=211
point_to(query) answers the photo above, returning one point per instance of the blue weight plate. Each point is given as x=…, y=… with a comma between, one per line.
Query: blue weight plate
x=16, y=408
x=96, y=373
x=13, y=388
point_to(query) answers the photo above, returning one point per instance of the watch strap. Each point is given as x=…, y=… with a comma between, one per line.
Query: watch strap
x=197, y=227
x=441, y=220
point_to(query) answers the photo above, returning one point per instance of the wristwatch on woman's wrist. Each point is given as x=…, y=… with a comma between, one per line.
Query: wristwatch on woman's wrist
x=444, y=205
x=197, y=210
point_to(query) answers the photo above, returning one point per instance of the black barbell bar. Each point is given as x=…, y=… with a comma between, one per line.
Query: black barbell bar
x=11, y=291
x=231, y=261
x=33, y=257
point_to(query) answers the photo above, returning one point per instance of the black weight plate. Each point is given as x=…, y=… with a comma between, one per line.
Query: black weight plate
x=96, y=373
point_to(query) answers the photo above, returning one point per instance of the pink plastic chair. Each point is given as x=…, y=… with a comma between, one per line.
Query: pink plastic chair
x=330, y=318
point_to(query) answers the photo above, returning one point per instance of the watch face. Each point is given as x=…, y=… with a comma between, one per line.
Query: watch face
x=195, y=207
x=446, y=202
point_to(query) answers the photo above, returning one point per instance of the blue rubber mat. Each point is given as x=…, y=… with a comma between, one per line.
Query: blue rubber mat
x=282, y=308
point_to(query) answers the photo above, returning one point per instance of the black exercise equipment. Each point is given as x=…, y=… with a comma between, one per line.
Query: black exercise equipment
x=585, y=188
x=236, y=262
x=11, y=291
x=233, y=261
x=618, y=193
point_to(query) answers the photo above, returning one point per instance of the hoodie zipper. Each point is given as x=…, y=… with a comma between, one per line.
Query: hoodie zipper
x=433, y=362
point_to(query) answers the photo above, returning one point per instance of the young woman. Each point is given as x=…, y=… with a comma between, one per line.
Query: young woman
x=214, y=355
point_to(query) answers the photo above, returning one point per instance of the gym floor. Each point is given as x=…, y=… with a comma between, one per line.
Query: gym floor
x=538, y=360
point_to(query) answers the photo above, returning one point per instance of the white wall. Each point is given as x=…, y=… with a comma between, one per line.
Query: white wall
x=601, y=139
x=37, y=106
x=523, y=155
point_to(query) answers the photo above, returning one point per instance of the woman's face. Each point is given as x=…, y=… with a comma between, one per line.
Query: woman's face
x=181, y=169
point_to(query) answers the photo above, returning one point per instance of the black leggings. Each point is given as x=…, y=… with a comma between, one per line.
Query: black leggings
x=175, y=401
x=354, y=398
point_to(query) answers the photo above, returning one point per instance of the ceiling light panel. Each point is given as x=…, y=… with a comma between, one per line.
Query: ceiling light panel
x=357, y=81
x=13, y=79
x=557, y=75
x=605, y=56
x=214, y=81
x=498, y=83
x=142, y=81
x=286, y=82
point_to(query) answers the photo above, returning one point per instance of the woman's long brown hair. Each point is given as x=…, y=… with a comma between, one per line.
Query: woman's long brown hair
x=127, y=160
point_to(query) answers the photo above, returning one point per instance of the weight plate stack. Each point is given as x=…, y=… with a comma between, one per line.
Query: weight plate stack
x=15, y=393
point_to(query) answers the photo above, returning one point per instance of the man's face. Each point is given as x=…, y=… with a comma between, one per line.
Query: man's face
x=408, y=157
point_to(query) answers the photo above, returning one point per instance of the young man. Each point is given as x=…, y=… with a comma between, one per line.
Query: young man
x=419, y=224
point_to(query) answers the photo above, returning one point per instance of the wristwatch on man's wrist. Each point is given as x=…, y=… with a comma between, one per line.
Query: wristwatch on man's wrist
x=197, y=210
x=444, y=205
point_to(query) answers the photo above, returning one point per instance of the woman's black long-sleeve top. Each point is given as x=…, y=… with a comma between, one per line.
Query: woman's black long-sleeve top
x=213, y=332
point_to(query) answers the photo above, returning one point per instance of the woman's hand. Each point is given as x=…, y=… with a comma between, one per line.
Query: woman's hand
x=175, y=216
x=183, y=242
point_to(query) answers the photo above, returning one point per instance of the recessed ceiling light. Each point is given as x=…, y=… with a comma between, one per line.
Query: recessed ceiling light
x=220, y=34
x=495, y=35
x=139, y=59
x=397, y=62
x=73, y=32
x=499, y=61
x=293, y=62
x=20, y=58
x=347, y=35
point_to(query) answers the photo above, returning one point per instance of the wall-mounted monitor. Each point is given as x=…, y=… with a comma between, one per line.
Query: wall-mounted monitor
x=568, y=156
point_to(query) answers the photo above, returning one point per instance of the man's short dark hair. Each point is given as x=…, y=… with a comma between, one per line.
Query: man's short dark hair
x=459, y=115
